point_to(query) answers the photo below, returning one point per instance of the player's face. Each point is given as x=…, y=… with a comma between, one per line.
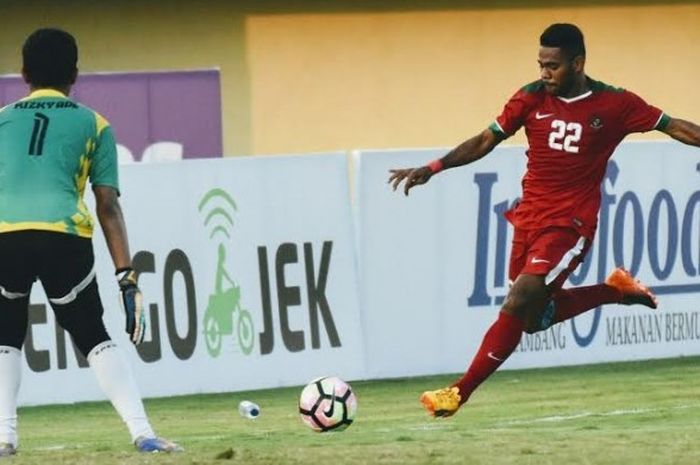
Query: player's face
x=556, y=71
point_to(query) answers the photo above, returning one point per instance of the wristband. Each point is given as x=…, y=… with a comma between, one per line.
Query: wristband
x=121, y=273
x=436, y=166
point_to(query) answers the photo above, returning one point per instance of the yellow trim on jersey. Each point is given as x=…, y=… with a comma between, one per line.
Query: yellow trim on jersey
x=44, y=93
x=83, y=219
x=83, y=171
x=37, y=225
x=83, y=216
x=100, y=122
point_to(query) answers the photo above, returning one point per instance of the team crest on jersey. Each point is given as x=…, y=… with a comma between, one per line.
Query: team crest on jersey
x=596, y=122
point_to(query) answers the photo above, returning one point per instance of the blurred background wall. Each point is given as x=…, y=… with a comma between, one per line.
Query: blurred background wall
x=305, y=76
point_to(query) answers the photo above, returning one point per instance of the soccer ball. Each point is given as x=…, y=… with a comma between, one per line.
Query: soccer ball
x=327, y=404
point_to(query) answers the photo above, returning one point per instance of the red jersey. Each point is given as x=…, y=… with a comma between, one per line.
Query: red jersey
x=570, y=141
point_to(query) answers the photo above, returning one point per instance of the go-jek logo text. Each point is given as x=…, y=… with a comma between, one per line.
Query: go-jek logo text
x=202, y=300
x=224, y=315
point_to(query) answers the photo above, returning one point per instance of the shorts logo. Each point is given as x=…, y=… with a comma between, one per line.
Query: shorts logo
x=539, y=260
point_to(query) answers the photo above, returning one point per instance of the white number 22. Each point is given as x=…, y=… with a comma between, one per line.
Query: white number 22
x=565, y=136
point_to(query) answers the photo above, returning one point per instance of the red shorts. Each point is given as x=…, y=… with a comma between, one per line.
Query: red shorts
x=553, y=252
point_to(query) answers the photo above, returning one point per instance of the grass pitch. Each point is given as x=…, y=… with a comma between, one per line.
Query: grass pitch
x=622, y=413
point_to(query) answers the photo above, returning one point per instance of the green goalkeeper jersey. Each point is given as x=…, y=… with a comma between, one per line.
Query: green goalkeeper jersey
x=49, y=147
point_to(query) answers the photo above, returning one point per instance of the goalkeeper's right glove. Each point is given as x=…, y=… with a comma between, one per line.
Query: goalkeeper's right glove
x=132, y=304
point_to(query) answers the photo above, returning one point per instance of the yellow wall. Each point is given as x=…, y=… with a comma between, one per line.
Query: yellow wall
x=432, y=78
x=313, y=77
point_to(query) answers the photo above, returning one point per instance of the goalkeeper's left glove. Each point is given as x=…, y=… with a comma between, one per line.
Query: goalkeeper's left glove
x=132, y=304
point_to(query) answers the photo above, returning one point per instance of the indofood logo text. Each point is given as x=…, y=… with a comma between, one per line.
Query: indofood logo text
x=632, y=228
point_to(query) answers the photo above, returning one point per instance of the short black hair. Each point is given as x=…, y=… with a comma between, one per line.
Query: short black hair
x=50, y=58
x=567, y=37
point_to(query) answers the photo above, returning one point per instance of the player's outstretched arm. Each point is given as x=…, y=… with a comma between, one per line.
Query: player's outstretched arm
x=467, y=152
x=684, y=131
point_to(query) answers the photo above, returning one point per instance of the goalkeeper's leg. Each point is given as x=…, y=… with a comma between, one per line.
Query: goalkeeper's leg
x=117, y=382
x=69, y=280
x=10, y=375
x=68, y=277
x=82, y=318
x=13, y=327
x=16, y=278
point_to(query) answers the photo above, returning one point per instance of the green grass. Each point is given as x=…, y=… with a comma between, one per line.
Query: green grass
x=623, y=413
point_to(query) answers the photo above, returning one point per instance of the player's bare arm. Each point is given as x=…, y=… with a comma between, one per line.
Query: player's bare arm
x=467, y=152
x=109, y=212
x=683, y=131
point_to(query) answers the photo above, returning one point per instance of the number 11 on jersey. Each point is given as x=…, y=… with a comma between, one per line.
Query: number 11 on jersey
x=36, y=143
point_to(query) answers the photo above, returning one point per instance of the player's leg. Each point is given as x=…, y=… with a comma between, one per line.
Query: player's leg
x=568, y=303
x=16, y=278
x=69, y=280
x=82, y=318
x=540, y=262
x=526, y=297
x=619, y=287
x=500, y=339
x=13, y=321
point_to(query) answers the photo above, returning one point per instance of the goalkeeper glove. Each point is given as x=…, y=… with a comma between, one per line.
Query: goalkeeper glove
x=132, y=304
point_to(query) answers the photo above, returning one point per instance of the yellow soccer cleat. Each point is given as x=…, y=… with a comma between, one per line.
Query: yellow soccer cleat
x=633, y=291
x=441, y=403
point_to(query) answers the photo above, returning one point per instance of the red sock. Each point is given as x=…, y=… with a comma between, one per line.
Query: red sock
x=571, y=302
x=499, y=342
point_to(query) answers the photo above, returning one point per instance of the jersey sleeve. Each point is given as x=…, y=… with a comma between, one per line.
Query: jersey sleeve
x=639, y=116
x=513, y=115
x=104, y=169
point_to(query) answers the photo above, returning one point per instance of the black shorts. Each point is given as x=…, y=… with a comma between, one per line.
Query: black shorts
x=62, y=262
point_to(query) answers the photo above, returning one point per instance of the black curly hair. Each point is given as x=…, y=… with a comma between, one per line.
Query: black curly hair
x=567, y=37
x=50, y=58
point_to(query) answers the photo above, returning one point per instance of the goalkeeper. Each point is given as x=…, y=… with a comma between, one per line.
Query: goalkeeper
x=49, y=147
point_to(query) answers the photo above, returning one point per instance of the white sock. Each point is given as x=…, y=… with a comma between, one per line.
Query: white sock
x=10, y=377
x=117, y=382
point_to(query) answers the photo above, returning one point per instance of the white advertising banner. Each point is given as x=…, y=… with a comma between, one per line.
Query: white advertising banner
x=249, y=269
x=433, y=265
x=248, y=272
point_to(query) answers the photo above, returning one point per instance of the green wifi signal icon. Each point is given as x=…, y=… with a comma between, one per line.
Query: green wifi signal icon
x=219, y=218
x=224, y=313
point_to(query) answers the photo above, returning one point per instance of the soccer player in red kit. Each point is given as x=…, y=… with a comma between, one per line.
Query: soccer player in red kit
x=573, y=124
